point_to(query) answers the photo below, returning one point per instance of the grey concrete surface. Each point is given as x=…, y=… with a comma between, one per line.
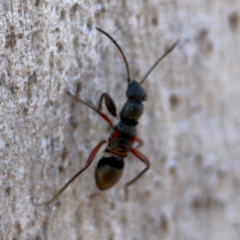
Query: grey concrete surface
x=190, y=126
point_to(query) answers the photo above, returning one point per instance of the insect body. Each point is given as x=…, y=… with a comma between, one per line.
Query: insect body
x=110, y=167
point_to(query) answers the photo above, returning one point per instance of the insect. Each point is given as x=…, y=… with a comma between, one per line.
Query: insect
x=120, y=142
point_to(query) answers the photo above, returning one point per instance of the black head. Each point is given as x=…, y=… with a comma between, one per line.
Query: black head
x=133, y=108
x=136, y=92
x=108, y=171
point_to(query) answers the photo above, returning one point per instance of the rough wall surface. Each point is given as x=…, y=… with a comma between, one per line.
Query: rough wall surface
x=191, y=123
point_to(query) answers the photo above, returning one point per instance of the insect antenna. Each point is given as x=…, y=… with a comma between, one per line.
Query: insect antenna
x=119, y=48
x=159, y=60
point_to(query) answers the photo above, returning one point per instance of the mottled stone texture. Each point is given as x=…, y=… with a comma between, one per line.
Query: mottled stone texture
x=190, y=126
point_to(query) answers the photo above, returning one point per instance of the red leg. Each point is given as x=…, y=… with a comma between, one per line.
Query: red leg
x=141, y=157
x=139, y=140
x=103, y=115
x=109, y=104
x=88, y=163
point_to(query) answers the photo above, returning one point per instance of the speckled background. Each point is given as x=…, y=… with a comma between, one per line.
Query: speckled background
x=191, y=123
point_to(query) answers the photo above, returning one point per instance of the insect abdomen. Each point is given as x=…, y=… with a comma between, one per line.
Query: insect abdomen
x=108, y=171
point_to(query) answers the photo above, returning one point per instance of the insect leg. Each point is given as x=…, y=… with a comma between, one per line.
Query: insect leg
x=140, y=142
x=97, y=110
x=109, y=104
x=141, y=157
x=88, y=163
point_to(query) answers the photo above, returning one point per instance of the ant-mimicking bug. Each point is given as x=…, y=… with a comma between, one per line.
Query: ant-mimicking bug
x=110, y=167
